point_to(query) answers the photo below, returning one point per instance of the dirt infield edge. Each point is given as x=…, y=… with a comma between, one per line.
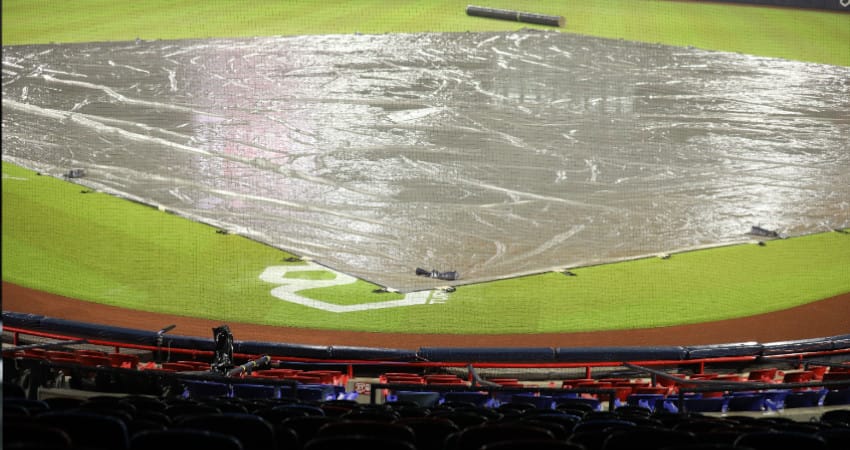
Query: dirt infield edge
x=822, y=318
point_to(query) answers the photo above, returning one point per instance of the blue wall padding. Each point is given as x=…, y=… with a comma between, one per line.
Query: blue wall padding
x=801, y=346
x=438, y=354
x=839, y=342
x=600, y=354
x=97, y=331
x=281, y=349
x=22, y=320
x=724, y=350
x=489, y=354
x=187, y=342
x=372, y=353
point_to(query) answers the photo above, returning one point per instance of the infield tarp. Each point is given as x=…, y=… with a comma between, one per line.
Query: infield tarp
x=490, y=154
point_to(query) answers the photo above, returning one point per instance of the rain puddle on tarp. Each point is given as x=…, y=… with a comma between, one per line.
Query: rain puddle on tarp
x=490, y=154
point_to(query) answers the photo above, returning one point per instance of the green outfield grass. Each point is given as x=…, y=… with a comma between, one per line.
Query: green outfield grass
x=107, y=250
x=806, y=35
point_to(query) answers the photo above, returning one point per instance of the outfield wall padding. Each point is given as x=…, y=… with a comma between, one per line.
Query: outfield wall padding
x=70, y=328
x=344, y=352
x=801, y=346
x=724, y=350
x=95, y=331
x=604, y=354
x=489, y=354
x=290, y=350
x=840, y=341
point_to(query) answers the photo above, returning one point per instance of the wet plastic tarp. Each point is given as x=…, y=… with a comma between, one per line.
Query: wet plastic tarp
x=488, y=154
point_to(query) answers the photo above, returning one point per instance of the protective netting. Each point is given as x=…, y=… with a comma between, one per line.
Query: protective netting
x=489, y=154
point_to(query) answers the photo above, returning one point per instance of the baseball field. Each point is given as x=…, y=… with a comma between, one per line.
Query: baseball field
x=63, y=238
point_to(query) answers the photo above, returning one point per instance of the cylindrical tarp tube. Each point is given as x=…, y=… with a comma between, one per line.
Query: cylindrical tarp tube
x=519, y=16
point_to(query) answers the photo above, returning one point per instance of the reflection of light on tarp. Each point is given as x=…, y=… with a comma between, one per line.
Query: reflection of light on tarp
x=489, y=154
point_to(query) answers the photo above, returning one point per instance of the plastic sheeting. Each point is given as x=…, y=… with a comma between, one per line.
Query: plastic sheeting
x=489, y=154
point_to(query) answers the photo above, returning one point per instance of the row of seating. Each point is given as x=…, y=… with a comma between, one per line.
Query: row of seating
x=141, y=422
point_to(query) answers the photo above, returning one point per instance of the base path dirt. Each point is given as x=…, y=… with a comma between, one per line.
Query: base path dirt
x=828, y=317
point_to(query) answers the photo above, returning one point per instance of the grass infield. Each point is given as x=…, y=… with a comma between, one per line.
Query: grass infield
x=106, y=250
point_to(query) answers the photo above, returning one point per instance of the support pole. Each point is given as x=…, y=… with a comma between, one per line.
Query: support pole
x=518, y=16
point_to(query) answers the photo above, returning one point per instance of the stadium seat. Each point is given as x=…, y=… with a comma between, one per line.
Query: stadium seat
x=804, y=399
x=539, y=401
x=839, y=417
x=177, y=410
x=430, y=432
x=422, y=398
x=638, y=438
x=63, y=403
x=89, y=429
x=568, y=402
x=475, y=398
x=307, y=426
x=463, y=418
x=837, y=397
x=201, y=389
x=696, y=404
x=648, y=401
x=381, y=429
x=764, y=375
x=608, y=425
x=125, y=360
x=836, y=438
x=183, y=438
x=241, y=390
x=254, y=432
x=314, y=393
x=771, y=440
x=364, y=442
x=365, y=412
x=31, y=407
x=34, y=435
x=472, y=438
x=746, y=402
x=537, y=444
x=798, y=377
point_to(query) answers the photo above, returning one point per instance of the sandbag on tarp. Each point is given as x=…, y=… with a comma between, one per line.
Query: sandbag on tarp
x=372, y=353
x=800, y=346
x=98, y=331
x=724, y=350
x=22, y=320
x=619, y=354
x=487, y=354
x=839, y=342
x=281, y=349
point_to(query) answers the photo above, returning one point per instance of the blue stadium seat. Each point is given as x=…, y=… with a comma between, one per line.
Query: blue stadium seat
x=253, y=432
x=254, y=391
x=200, y=389
x=183, y=438
x=89, y=429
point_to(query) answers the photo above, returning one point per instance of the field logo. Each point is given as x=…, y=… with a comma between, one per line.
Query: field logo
x=845, y=3
x=289, y=288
